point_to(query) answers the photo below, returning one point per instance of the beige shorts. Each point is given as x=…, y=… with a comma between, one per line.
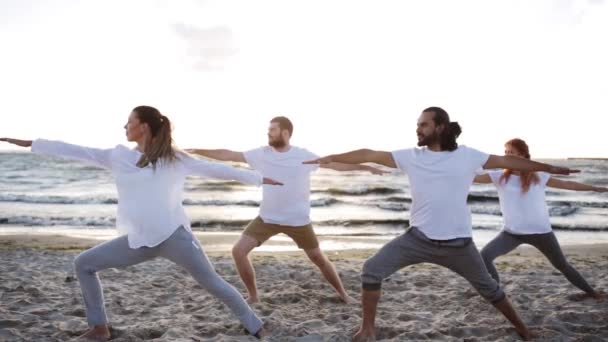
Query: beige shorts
x=304, y=236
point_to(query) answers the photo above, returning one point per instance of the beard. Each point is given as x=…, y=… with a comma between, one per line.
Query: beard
x=277, y=143
x=428, y=140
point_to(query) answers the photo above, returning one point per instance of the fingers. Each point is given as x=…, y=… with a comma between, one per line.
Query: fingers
x=324, y=160
x=270, y=181
x=563, y=170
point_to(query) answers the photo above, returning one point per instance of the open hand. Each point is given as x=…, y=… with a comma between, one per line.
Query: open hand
x=270, y=181
x=376, y=171
x=558, y=170
x=323, y=160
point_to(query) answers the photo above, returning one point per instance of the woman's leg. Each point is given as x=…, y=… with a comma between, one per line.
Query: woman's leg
x=111, y=254
x=502, y=244
x=549, y=246
x=184, y=249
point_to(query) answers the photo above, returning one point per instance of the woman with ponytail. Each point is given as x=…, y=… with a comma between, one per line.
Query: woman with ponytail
x=526, y=217
x=149, y=180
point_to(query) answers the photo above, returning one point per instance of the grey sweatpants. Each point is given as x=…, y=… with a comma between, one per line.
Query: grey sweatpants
x=182, y=248
x=413, y=247
x=546, y=243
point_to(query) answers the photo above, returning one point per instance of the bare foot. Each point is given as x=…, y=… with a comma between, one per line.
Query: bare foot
x=582, y=296
x=600, y=295
x=527, y=334
x=263, y=333
x=260, y=334
x=367, y=335
x=96, y=333
x=346, y=299
x=252, y=300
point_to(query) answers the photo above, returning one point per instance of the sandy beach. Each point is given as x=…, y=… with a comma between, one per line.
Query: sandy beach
x=40, y=297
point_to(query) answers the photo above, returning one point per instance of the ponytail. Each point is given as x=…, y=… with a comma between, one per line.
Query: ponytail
x=160, y=147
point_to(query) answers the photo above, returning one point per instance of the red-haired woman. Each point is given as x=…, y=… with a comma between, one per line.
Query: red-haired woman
x=526, y=217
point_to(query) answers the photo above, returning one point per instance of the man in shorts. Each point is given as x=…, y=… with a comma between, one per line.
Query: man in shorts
x=284, y=209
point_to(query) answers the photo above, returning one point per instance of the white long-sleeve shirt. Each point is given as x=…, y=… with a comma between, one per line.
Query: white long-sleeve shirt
x=149, y=201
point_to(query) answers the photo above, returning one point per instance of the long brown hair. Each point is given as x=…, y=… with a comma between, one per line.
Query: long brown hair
x=526, y=178
x=160, y=146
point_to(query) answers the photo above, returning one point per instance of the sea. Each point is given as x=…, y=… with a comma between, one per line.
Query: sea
x=348, y=209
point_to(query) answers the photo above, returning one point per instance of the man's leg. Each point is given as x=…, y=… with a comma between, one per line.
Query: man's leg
x=502, y=244
x=256, y=233
x=329, y=272
x=467, y=262
x=402, y=251
x=240, y=254
x=369, y=303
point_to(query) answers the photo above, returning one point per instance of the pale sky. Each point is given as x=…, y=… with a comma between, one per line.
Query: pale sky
x=350, y=74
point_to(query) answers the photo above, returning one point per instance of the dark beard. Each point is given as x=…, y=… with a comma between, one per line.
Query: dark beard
x=279, y=143
x=429, y=139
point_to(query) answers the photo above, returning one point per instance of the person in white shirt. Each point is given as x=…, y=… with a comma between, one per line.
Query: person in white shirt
x=149, y=180
x=440, y=175
x=526, y=216
x=284, y=209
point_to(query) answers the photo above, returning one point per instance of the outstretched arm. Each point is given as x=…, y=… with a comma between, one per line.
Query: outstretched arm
x=570, y=185
x=353, y=167
x=526, y=165
x=483, y=179
x=358, y=157
x=205, y=168
x=97, y=156
x=18, y=142
x=221, y=154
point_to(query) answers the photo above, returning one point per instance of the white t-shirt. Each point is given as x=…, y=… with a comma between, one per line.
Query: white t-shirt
x=439, y=184
x=287, y=205
x=523, y=213
x=149, y=201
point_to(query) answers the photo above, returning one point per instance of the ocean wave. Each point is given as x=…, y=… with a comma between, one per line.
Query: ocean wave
x=245, y=203
x=394, y=225
x=359, y=191
x=579, y=228
x=52, y=199
x=482, y=198
x=213, y=186
x=363, y=222
x=59, y=221
x=398, y=199
x=485, y=209
x=323, y=202
x=224, y=224
x=393, y=206
x=561, y=211
x=580, y=204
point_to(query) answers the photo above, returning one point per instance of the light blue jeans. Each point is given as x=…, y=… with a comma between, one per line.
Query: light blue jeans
x=182, y=248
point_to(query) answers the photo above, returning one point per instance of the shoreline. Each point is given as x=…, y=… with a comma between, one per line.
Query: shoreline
x=57, y=238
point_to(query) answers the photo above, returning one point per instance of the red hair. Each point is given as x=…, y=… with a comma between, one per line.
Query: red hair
x=527, y=178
